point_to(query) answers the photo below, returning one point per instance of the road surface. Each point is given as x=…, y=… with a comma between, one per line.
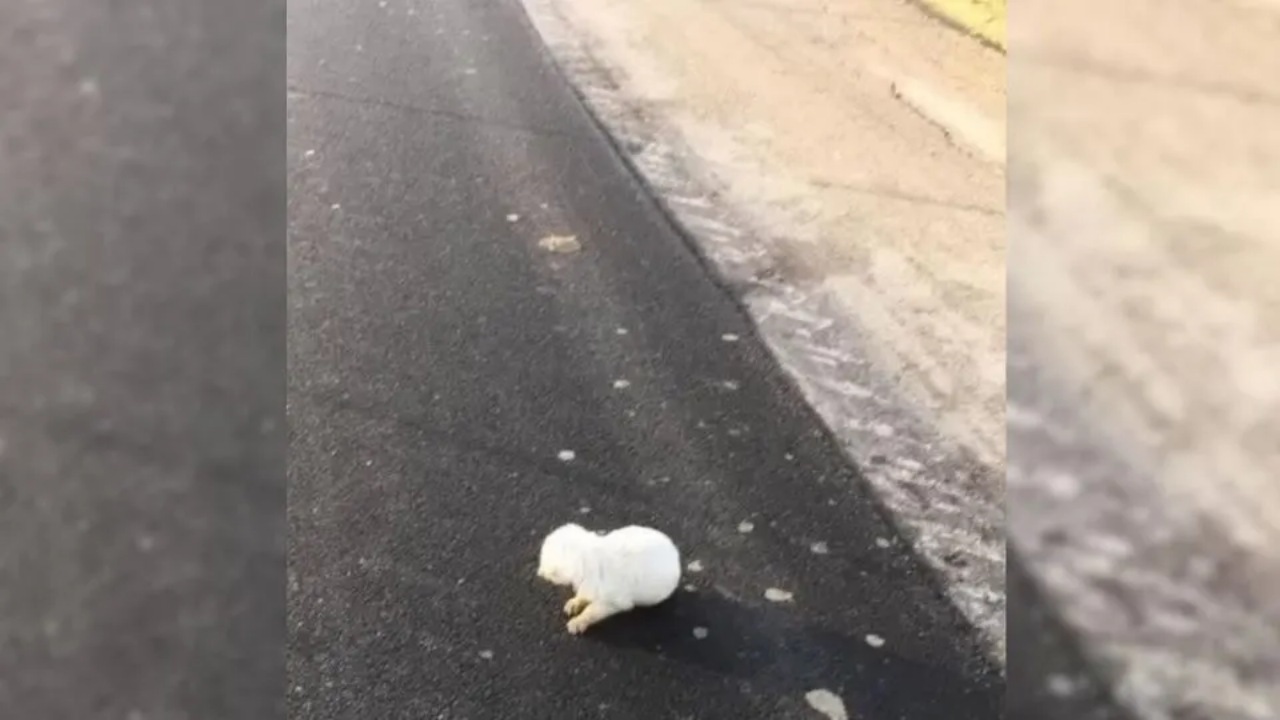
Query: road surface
x=458, y=388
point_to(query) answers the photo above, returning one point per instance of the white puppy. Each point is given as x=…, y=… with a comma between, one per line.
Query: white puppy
x=612, y=573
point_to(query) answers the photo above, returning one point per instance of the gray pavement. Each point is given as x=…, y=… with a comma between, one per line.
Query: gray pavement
x=441, y=361
x=142, y=321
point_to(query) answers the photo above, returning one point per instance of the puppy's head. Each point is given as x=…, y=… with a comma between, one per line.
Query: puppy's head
x=561, y=555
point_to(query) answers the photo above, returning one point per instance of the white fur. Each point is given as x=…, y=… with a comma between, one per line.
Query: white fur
x=612, y=573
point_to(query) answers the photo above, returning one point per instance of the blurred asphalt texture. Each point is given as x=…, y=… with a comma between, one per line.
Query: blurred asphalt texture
x=142, y=355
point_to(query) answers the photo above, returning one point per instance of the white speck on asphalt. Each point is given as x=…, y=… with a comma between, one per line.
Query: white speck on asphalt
x=777, y=595
x=690, y=588
x=695, y=566
x=486, y=654
x=819, y=548
x=309, y=153
x=789, y=457
x=882, y=430
x=513, y=217
x=382, y=3
x=827, y=703
x=335, y=206
x=469, y=71
x=882, y=543
x=566, y=455
x=875, y=641
x=730, y=384
x=746, y=526
x=700, y=633
x=621, y=384
x=729, y=337
x=584, y=510
x=145, y=543
x=621, y=331
x=1060, y=685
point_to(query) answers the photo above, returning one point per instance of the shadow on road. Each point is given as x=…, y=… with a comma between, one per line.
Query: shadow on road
x=782, y=657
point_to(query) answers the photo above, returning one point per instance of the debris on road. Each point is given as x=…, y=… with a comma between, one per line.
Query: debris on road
x=827, y=703
x=562, y=244
x=778, y=595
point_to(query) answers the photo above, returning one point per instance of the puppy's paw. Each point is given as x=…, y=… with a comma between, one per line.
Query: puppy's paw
x=575, y=606
x=577, y=625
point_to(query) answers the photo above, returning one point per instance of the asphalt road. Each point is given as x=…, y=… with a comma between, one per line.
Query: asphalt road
x=441, y=361
x=142, y=325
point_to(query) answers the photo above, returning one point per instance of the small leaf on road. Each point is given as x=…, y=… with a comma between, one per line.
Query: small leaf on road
x=827, y=703
x=563, y=244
